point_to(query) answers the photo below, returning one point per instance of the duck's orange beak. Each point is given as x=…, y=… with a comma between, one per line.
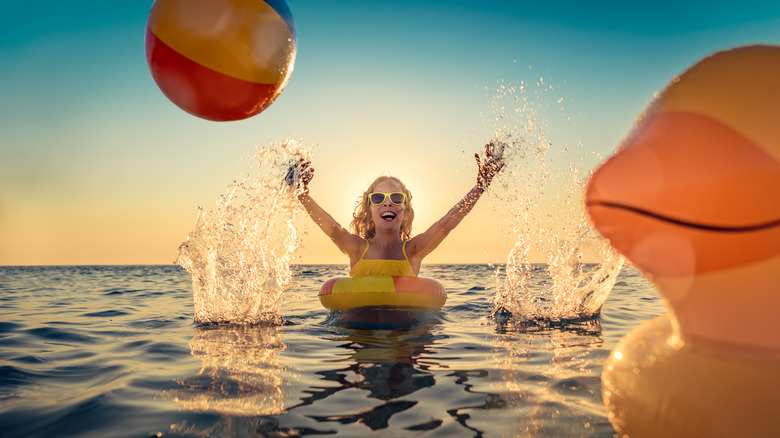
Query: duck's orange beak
x=696, y=186
x=687, y=195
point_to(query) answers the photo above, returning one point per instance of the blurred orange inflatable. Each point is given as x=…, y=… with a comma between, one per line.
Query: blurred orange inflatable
x=692, y=198
x=221, y=59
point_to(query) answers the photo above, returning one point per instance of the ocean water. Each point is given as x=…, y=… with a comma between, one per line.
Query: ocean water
x=114, y=351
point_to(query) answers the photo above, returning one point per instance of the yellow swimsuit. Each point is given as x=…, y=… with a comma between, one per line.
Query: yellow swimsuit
x=382, y=267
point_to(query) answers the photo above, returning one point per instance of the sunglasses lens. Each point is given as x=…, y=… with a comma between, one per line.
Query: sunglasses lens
x=377, y=198
x=397, y=198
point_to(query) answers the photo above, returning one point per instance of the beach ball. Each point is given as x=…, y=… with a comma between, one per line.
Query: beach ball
x=692, y=199
x=221, y=60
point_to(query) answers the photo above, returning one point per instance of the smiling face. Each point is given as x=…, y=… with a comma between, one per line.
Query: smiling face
x=365, y=221
x=388, y=217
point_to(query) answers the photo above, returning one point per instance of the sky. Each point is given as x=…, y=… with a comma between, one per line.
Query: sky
x=97, y=167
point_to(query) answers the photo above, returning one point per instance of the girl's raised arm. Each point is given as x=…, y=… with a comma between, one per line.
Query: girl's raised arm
x=422, y=244
x=298, y=178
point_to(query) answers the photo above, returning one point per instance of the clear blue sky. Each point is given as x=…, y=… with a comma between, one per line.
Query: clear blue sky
x=98, y=167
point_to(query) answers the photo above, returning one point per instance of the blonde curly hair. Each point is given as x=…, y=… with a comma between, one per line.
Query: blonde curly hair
x=363, y=225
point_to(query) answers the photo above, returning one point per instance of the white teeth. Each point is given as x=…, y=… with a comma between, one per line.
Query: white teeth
x=387, y=215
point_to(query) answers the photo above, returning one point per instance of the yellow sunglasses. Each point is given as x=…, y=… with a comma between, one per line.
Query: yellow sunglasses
x=378, y=198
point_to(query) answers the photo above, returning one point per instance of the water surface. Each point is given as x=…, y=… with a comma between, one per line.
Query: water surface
x=114, y=351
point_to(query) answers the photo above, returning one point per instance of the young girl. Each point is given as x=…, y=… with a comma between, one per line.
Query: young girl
x=380, y=243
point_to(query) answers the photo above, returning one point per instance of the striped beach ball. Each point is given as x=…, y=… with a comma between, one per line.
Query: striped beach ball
x=221, y=59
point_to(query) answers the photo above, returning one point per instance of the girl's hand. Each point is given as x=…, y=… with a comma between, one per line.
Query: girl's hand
x=492, y=163
x=299, y=175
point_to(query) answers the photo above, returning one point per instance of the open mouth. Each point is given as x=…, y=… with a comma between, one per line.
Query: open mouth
x=683, y=223
x=388, y=216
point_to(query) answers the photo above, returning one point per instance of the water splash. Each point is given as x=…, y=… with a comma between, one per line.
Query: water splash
x=542, y=190
x=239, y=254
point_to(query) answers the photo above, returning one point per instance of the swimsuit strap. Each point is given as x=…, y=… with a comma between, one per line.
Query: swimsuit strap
x=365, y=250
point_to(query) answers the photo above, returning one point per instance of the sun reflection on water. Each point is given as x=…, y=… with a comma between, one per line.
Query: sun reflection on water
x=551, y=373
x=240, y=373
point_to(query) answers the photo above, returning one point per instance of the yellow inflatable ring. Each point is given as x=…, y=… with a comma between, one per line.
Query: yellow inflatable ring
x=345, y=293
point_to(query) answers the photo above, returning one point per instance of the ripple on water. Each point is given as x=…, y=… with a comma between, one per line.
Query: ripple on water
x=101, y=415
x=11, y=377
x=160, y=351
x=9, y=327
x=106, y=314
x=152, y=323
x=94, y=372
x=62, y=335
x=28, y=359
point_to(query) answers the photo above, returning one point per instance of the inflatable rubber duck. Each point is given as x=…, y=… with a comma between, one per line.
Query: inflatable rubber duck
x=692, y=198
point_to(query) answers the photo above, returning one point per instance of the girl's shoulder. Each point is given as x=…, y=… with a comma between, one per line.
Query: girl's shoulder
x=355, y=246
x=422, y=244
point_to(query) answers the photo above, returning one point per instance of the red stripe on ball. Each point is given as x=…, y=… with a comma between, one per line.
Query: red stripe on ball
x=202, y=91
